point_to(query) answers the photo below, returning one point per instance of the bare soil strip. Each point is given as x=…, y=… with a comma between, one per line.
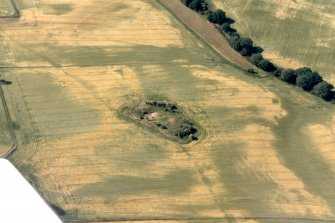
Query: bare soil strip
x=206, y=31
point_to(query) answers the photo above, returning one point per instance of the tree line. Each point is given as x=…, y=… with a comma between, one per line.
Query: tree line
x=304, y=77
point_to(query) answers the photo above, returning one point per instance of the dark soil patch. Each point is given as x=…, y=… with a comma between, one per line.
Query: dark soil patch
x=164, y=118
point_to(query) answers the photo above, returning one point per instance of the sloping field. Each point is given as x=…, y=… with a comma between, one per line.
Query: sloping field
x=267, y=156
x=293, y=33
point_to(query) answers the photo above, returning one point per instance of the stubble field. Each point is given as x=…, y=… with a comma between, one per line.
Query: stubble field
x=267, y=156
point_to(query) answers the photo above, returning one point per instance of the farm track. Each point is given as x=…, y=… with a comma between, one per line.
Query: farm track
x=206, y=31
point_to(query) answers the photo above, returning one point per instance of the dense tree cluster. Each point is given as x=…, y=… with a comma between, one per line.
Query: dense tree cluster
x=217, y=17
x=308, y=80
x=303, y=77
x=186, y=129
x=288, y=75
x=324, y=90
x=196, y=5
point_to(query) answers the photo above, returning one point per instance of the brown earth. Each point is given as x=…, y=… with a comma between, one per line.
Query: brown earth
x=206, y=31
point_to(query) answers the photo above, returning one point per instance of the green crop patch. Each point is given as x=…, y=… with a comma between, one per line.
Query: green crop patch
x=7, y=9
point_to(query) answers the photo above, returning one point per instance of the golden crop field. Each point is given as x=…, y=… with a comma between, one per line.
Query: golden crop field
x=267, y=155
x=293, y=33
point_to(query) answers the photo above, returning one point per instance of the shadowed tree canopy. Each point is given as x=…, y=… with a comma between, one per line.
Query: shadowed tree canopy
x=225, y=27
x=197, y=5
x=247, y=46
x=256, y=58
x=303, y=70
x=217, y=17
x=308, y=80
x=289, y=76
x=187, y=2
x=324, y=90
x=266, y=65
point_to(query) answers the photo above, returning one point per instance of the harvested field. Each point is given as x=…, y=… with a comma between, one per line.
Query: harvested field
x=297, y=33
x=72, y=68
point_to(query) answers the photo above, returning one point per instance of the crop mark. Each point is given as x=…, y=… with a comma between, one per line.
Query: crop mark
x=9, y=124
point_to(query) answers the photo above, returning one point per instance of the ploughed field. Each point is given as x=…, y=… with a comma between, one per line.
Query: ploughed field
x=268, y=151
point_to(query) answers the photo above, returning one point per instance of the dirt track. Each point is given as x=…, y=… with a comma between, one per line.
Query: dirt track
x=206, y=31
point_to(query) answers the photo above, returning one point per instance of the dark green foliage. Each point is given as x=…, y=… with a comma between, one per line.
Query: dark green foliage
x=197, y=5
x=242, y=45
x=303, y=77
x=236, y=43
x=308, y=80
x=187, y=2
x=266, y=65
x=303, y=70
x=225, y=27
x=324, y=91
x=256, y=58
x=217, y=17
x=186, y=129
x=247, y=46
x=5, y=82
x=288, y=75
x=234, y=36
x=278, y=72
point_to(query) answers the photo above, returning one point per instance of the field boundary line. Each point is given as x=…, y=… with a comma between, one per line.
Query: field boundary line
x=206, y=32
x=9, y=123
x=300, y=219
x=11, y=151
